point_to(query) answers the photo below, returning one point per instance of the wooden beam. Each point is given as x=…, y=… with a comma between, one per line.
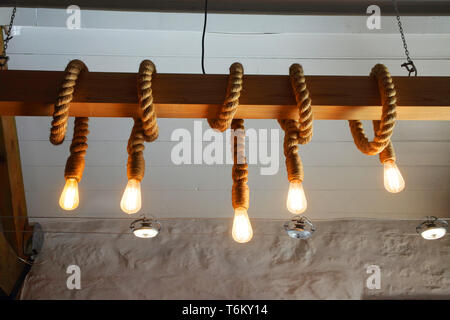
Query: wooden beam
x=13, y=207
x=99, y=94
x=13, y=220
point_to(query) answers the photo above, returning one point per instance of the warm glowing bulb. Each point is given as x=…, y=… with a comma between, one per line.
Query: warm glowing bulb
x=131, y=199
x=70, y=199
x=296, y=199
x=393, y=180
x=242, y=229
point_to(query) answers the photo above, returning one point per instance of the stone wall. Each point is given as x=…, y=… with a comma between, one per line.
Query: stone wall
x=197, y=259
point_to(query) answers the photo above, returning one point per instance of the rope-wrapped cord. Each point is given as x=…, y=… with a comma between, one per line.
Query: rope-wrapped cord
x=240, y=190
x=384, y=129
x=294, y=166
x=76, y=161
x=388, y=153
x=229, y=106
x=61, y=110
x=297, y=131
x=149, y=123
x=135, y=148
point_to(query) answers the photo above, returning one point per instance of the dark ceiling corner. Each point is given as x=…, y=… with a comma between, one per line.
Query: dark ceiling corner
x=307, y=7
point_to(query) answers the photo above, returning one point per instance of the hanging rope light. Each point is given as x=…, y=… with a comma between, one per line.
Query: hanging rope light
x=144, y=129
x=297, y=132
x=131, y=200
x=383, y=129
x=73, y=173
x=242, y=229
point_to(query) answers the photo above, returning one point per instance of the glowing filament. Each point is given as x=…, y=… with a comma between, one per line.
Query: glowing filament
x=69, y=199
x=242, y=229
x=296, y=199
x=393, y=180
x=131, y=199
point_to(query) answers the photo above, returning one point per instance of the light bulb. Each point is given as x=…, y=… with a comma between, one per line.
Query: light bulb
x=434, y=233
x=131, y=199
x=296, y=199
x=242, y=229
x=393, y=180
x=146, y=232
x=70, y=199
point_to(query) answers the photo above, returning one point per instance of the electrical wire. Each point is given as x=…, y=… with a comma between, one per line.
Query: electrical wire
x=203, y=36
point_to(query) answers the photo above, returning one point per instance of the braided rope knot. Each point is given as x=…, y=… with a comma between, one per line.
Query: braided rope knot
x=384, y=128
x=297, y=131
x=240, y=191
x=231, y=102
x=78, y=148
x=61, y=110
x=302, y=97
x=145, y=94
x=135, y=149
x=294, y=166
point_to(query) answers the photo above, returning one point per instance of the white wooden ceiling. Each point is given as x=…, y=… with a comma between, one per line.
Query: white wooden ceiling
x=340, y=182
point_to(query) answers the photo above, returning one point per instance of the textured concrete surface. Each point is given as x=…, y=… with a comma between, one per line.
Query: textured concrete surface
x=197, y=259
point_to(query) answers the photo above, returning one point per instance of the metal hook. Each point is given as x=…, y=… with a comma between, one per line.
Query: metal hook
x=410, y=67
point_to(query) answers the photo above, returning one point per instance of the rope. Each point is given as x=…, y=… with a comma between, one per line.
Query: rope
x=75, y=163
x=294, y=166
x=388, y=153
x=149, y=124
x=240, y=191
x=229, y=106
x=297, y=131
x=384, y=128
x=135, y=148
x=61, y=110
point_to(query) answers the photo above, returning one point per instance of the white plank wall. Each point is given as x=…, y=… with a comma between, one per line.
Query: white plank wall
x=340, y=182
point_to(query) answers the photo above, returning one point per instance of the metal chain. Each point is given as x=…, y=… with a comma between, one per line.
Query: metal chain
x=409, y=65
x=4, y=58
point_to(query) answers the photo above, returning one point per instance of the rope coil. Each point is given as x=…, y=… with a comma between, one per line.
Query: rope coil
x=240, y=191
x=145, y=96
x=78, y=148
x=135, y=148
x=76, y=161
x=388, y=153
x=231, y=102
x=297, y=131
x=61, y=110
x=383, y=128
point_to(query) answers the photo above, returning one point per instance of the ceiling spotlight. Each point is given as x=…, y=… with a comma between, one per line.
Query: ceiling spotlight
x=145, y=228
x=432, y=228
x=299, y=228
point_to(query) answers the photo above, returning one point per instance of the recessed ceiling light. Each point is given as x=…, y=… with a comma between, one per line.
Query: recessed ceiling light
x=145, y=228
x=432, y=228
x=299, y=228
